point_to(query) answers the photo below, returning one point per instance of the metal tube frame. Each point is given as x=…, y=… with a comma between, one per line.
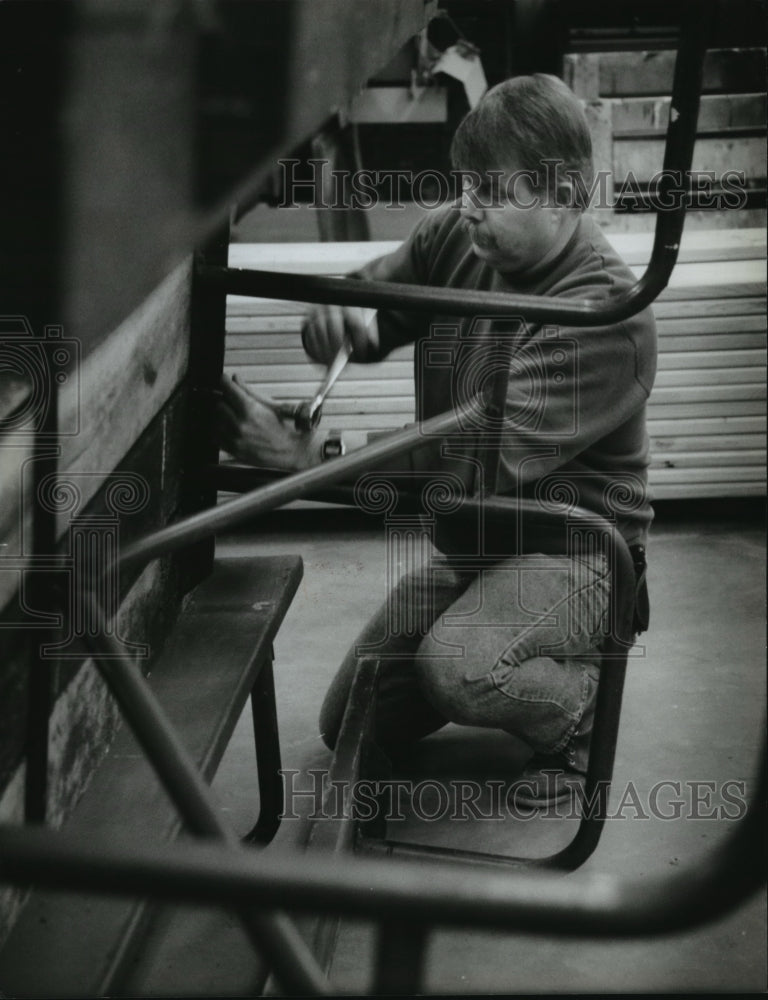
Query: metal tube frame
x=438, y=895
x=537, y=530
x=540, y=531
x=532, y=902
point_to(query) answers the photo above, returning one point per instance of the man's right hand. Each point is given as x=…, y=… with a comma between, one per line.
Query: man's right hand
x=325, y=328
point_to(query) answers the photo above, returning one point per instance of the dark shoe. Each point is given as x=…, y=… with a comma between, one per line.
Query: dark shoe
x=547, y=781
x=553, y=779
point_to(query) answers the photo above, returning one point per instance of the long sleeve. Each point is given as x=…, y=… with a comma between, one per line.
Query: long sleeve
x=409, y=265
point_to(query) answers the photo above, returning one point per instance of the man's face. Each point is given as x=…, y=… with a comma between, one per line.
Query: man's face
x=511, y=227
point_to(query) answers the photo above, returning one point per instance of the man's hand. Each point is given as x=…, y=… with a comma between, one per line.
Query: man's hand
x=251, y=431
x=325, y=327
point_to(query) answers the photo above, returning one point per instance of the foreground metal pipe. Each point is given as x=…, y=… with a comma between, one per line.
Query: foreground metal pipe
x=293, y=487
x=446, y=301
x=273, y=933
x=526, y=902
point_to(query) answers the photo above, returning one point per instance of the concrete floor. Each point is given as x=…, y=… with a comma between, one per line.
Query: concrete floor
x=694, y=707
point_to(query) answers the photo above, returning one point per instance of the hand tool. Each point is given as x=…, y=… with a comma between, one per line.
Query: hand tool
x=306, y=414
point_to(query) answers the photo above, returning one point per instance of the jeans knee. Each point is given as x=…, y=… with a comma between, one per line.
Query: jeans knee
x=442, y=681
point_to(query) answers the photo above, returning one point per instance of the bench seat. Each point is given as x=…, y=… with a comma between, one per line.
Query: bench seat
x=219, y=653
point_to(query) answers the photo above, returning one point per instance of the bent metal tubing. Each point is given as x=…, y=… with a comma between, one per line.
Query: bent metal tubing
x=535, y=530
x=273, y=934
x=296, y=486
x=440, y=895
x=681, y=136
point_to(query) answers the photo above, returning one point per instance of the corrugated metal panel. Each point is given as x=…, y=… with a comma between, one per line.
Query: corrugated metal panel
x=706, y=414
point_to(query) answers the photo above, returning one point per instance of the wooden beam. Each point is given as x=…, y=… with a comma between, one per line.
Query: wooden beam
x=125, y=381
x=707, y=376
x=645, y=73
x=664, y=427
x=707, y=459
x=714, y=444
x=635, y=116
x=708, y=395
x=707, y=490
x=645, y=157
x=341, y=258
x=713, y=359
x=396, y=105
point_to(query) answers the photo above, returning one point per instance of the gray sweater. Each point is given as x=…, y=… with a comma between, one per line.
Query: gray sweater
x=574, y=428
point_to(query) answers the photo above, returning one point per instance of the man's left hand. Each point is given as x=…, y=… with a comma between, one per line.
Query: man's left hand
x=251, y=431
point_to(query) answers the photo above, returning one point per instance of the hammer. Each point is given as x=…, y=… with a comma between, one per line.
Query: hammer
x=306, y=415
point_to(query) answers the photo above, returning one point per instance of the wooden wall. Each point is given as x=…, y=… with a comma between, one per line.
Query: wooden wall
x=626, y=95
x=119, y=476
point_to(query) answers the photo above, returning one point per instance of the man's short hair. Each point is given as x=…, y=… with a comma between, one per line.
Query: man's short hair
x=522, y=122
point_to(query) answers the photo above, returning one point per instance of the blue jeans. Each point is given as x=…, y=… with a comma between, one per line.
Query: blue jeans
x=512, y=646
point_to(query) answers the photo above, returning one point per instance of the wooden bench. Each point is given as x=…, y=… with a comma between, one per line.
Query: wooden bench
x=219, y=654
x=706, y=415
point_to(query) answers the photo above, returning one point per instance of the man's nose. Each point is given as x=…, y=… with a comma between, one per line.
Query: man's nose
x=470, y=207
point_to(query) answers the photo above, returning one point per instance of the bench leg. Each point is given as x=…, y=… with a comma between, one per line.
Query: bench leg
x=335, y=832
x=268, y=759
